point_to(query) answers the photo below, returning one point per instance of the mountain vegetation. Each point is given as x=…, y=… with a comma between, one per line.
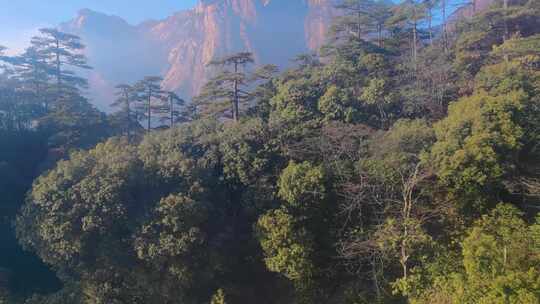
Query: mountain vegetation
x=400, y=164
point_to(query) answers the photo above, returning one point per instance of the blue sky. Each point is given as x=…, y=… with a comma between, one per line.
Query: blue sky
x=19, y=19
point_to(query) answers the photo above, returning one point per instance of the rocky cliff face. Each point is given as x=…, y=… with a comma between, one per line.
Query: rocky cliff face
x=179, y=47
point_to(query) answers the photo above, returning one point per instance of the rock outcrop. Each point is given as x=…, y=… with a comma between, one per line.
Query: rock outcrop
x=179, y=47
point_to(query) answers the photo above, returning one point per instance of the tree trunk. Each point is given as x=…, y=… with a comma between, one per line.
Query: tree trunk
x=359, y=25
x=236, y=101
x=415, y=54
x=506, y=35
x=379, y=35
x=149, y=109
x=445, y=27
x=430, y=29
x=171, y=108
x=375, y=279
x=415, y=39
x=38, y=97
x=404, y=267
x=128, y=114
x=505, y=6
x=58, y=71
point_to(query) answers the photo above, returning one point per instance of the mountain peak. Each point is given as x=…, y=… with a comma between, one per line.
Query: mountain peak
x=90, y=18
x=179, y=47
x=86, y=12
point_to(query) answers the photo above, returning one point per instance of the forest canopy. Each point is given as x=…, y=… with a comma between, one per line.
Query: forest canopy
x=400, y=164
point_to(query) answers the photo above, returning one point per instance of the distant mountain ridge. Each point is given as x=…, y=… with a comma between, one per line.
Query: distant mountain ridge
x=179, y=47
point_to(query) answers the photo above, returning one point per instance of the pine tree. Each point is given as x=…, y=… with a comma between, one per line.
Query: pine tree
x=62, y=52
x=18, y=106
x=380, y=13
x=171, y=108
x=126, y=96
x=227, y=87
x=429, y=6
x=444, y=23
x=149, y=97
x=354, y=22
x=409, y=15
x=32, y=70
x=25, y=85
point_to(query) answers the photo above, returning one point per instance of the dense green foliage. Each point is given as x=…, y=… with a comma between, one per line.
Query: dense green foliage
x=401, y=166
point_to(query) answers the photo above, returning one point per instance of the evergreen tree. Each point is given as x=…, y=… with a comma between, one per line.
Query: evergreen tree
x=380, y=13
x=226, y=92
x=126, y=97
x=355, y=22
x=409, y=15
x=62, y=53
x=149, y=97
x=360, y=20
x=173, y=109
x=32, y=69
